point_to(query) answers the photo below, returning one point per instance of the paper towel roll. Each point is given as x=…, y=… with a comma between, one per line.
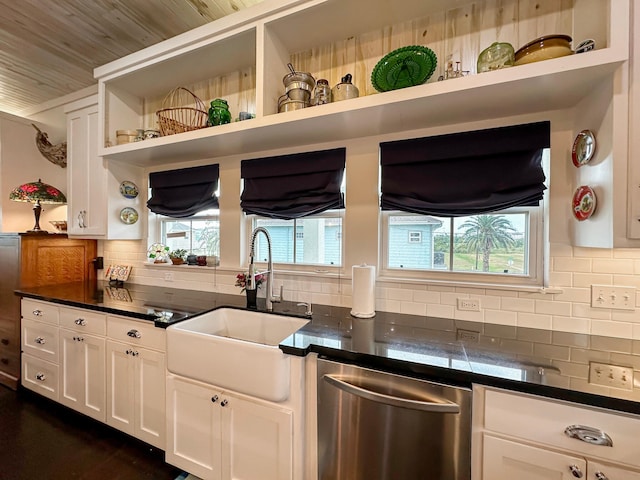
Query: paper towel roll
x=363, y=285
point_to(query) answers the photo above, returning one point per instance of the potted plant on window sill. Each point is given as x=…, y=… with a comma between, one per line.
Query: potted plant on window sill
x=178, y=256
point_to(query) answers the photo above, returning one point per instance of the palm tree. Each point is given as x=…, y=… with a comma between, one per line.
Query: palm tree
x=484, y=232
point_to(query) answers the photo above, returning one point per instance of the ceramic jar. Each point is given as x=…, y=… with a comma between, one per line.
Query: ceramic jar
x=344, y=90
x=219, y=112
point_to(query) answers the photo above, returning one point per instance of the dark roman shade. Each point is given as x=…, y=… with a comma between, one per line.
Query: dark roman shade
x=184, y=192
x=293, y=186
x=466, y=173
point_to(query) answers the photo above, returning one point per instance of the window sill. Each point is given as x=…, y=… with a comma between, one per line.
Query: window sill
x=183, y=266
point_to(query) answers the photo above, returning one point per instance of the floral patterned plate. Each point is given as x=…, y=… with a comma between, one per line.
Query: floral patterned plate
x=584, y=203
x=158, y=253
x=129, y=215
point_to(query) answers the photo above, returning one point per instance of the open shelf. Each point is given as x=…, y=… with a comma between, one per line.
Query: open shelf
x=550, y=85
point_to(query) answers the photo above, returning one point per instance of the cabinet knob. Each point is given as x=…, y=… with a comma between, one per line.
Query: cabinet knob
x=37, y=313
x=4, y=361
x=40, y=340
x=134, y=334
x=575, y=471
x=128, y=352
x=4, y=341
x=40, y=376
x=591, y=435
x=214, y=399
x=224, y=403
x=81, y=322
x=601, y=476
x=134, y=353
x=79, y=339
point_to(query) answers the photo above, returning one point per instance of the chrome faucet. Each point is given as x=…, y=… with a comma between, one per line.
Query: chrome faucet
x=251, y=283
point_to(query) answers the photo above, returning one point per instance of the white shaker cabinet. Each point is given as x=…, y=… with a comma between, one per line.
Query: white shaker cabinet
x=82, y=373
x=217, y=435
x=136, y=380
x=86, y=173
x=525, y=437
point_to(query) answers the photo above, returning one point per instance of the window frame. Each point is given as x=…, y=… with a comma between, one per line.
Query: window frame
x=162, y=220
x=306, y=267
x=535, y=277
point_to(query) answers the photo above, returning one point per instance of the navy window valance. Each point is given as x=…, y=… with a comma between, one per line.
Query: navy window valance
x=467, y=173
x=293, y=186
x=184, y=192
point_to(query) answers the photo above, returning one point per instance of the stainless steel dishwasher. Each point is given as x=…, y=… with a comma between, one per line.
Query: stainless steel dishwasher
x=379, y=426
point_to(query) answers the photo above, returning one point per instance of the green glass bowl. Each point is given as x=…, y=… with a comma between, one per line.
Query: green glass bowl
x=404, y=67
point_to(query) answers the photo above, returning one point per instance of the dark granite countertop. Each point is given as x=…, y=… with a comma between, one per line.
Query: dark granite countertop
x=543, y=362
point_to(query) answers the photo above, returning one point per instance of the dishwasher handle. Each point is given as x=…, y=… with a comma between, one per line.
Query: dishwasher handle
x=445, y=407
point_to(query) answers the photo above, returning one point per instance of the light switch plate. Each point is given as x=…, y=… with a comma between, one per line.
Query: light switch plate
x=615, y=297
x=614, y=376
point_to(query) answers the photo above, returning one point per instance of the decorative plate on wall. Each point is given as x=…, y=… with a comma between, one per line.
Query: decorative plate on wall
x=584, y=146
x=584, y=203
x=129, y=215
x=128, y=189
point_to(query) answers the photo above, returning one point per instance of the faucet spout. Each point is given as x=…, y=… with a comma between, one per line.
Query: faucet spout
x=251, y=284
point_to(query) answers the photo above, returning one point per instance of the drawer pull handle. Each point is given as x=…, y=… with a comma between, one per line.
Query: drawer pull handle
x=81, y=322
x=590, y=435
x=40, y=340
x=134, y=334
x=575, y=471
x=214, y=399
x=601, y=476
x=37, y=313
x=41, y=377
x=79, y=339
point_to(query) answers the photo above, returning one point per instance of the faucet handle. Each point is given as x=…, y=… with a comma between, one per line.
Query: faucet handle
x=308, y=306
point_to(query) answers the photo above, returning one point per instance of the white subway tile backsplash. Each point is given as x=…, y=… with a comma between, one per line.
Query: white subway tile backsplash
x=552, y=308
x=620, y=266
x=565, y=264
x=571, y=324
x=534, y=320
x=518, y=304
x=572, y=269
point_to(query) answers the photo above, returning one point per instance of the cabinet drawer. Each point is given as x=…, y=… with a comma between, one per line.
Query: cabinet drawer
x=40, y=376
x=135, y=332
x=83, y=321
x=40, y=311
x=40, y=340
x=544, y=421
x=10, y=359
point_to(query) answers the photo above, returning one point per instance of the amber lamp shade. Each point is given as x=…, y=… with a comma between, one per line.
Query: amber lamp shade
x=37, y=193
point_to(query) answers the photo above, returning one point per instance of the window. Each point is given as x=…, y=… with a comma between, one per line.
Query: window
x=415, y=237
x=198, y=235
x=313, y=240
x=473, y=248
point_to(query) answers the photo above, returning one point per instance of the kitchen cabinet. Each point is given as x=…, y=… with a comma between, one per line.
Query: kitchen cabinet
x=95, y=199
x=82, y=361
x=216, y=434
x=136, y=379
x=86, y=173
x=253, y=47
x=523, y=436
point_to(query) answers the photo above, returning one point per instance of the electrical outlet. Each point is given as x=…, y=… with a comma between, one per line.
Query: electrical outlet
x=168, y=277
x=469, y=304
x=613, y=376
x=611, y=296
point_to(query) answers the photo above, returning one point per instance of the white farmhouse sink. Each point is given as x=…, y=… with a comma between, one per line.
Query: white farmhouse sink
x=235, y=349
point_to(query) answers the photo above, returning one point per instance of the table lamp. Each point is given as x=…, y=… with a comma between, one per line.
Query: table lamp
x=37, y=193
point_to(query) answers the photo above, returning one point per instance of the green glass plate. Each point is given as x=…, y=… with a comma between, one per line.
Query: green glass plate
x=404, y=67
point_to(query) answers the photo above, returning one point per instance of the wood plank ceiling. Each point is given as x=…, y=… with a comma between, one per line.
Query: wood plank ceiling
x=49, y=48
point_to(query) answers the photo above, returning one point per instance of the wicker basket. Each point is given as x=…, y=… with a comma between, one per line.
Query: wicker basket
x=174, y=117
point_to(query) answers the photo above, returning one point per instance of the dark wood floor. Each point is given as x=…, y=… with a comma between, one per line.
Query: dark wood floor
x=42, y=440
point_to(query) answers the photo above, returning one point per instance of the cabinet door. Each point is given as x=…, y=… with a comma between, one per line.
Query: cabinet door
x=120, y=387
x=86, y=175
x=257, y=440
x=598, y=471
x=193, y=428
x=507, y=460
x=149, y=397
x=82, y=373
